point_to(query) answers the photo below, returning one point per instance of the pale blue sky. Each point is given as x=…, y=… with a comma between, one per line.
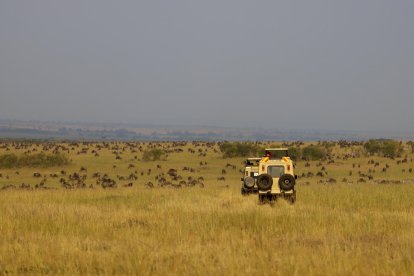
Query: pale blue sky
x=334, y=65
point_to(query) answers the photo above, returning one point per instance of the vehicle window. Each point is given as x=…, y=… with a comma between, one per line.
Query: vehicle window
x=276, y=171
x=278, y=155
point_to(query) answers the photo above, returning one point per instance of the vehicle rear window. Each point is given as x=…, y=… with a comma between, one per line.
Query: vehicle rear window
x=276, y=171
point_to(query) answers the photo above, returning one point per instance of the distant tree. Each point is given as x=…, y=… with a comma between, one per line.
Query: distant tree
x=372, y=146
x=328, y=145
x=237, y=149
x=8, y=161
x=295, y=153
x=411, y=143
x=384, y=147
x=313, y=152
x=392, y=148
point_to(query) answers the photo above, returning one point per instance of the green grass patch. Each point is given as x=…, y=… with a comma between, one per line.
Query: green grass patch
x=154, y=155
x=39, y=160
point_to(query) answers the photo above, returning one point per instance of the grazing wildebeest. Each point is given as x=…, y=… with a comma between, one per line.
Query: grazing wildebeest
x=36, y=174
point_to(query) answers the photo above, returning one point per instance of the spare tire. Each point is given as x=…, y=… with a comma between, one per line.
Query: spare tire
x=287, y=182
x=264, y=182
x=249, y=182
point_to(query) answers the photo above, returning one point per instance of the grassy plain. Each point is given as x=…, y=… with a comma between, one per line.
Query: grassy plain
x=342, y=228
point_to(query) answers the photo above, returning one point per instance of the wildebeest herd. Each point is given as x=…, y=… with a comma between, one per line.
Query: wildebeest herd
x=188, y=164
x=111, y=165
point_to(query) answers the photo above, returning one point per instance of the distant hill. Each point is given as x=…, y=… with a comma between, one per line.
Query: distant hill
x=126, y=132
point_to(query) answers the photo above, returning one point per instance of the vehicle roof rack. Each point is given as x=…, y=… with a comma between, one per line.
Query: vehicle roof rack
x=275, y=149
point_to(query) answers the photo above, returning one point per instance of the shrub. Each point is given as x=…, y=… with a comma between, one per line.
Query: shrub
x=153, y=155
x=411, y=143
x=8, y=161
x=385, y=147
x=39, y=160
x=237, y=149
x=295, y=153
x=328, y=144
x=372, y=146
x=312, y=152
x=392, y=149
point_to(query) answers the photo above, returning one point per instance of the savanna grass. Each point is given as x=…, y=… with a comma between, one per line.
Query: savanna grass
x=333, y=229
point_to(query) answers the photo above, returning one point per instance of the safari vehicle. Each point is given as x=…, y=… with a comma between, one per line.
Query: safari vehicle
x=275, y=178
x=251, y=171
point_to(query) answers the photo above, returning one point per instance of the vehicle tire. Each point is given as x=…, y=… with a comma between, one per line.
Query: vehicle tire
x=287, y=182
x=249, y=182
x=264, y=182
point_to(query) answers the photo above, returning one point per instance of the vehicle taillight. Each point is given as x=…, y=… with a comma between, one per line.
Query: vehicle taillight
x=247, y=173
x=288, y=168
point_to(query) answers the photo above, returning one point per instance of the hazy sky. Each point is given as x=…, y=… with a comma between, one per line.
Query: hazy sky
x=335, y=65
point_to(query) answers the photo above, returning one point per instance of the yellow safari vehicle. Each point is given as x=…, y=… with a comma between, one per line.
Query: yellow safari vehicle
x=273, y=177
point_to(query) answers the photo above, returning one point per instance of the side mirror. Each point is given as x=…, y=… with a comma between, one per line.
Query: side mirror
x=242, y=179
x=296, y=176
